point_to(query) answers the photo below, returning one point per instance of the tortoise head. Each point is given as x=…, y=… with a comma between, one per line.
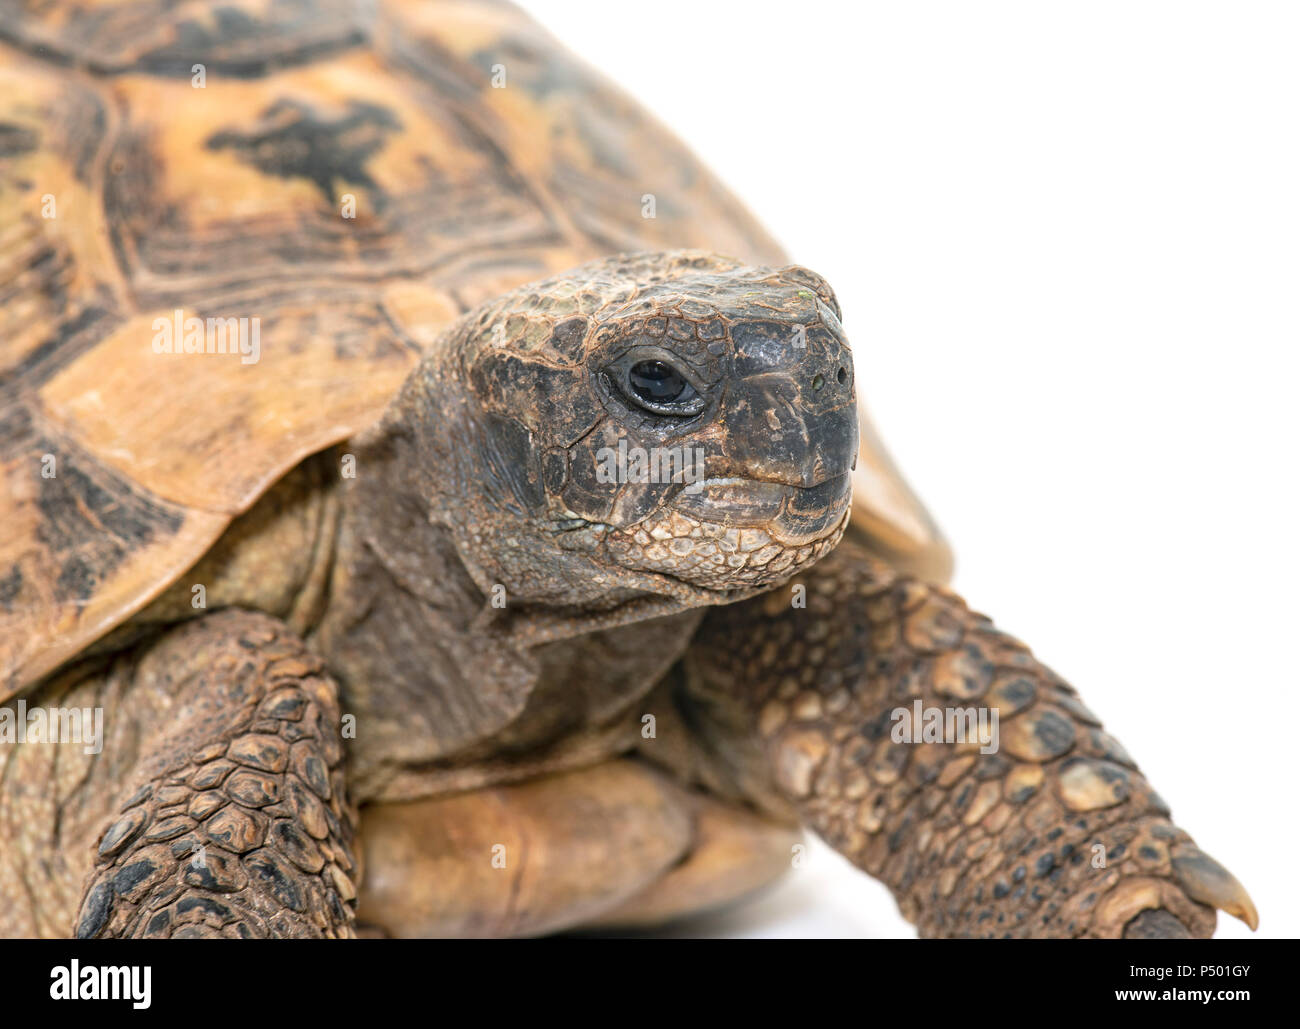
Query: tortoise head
x=674, y=423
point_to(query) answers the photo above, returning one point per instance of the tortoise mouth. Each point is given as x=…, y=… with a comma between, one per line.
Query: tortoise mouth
x=731, y=537
x=724, y=540
x=791, y=515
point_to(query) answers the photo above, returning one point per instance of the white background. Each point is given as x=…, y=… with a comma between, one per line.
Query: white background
x=1066, y=239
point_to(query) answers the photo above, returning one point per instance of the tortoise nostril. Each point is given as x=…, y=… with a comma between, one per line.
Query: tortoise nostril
x=818, y=382
x=841, y=375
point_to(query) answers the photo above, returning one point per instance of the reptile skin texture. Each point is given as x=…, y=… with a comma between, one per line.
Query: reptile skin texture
x=251, y=807
x=1056, y=834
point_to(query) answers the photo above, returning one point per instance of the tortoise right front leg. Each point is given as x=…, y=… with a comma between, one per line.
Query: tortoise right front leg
x=1049, y=830
x=235, y=822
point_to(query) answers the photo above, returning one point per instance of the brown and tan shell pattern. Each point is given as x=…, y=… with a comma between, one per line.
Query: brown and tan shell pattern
x=350, y=177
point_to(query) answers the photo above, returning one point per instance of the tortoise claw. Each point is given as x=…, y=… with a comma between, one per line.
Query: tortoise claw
x=1205, y=880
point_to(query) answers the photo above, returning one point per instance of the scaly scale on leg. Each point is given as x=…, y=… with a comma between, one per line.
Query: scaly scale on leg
x=1056, y=833
x=237, y=823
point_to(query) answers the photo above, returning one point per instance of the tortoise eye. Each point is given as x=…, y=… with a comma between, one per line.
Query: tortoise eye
x=655, y=385
x=656, y=382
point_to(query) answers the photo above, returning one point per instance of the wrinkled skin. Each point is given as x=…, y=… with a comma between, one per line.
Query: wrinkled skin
x=485, y=479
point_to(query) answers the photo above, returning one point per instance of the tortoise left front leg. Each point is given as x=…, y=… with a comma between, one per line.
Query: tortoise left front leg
x=235, y=820
x=1053, y=833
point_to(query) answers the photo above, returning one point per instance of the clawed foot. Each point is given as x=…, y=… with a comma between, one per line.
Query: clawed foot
x=1204, y=881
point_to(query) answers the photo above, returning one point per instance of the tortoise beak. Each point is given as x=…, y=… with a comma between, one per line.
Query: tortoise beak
x=814, y=512
x=792, y=515
x=777, y=435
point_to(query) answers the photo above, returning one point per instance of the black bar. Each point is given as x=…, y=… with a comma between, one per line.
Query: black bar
x=568, y=978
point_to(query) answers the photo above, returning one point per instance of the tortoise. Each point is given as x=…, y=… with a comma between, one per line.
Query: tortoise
x=415, y=525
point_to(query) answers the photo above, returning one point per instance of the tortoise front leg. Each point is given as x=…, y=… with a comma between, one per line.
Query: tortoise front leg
x=1053, y=833
x=235, y=822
